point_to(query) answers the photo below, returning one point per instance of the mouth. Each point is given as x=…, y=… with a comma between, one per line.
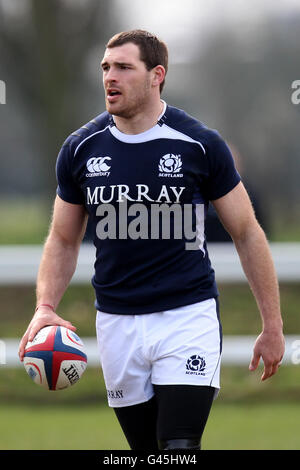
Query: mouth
x=112, y=95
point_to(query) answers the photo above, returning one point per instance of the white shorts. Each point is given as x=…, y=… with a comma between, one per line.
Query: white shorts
x=178, y=346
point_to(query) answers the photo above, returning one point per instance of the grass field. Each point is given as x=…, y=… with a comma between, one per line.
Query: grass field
x=254, y=427
x=247, y=414
x=53, y=427
x=24, y=221
x=230, y=427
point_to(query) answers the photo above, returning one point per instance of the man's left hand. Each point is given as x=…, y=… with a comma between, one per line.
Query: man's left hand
x=270, y=347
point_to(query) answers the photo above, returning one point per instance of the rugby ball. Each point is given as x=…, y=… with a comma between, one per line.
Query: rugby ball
x=56, y=358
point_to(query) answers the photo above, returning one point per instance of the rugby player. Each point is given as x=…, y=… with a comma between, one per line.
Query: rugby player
x=158, y=324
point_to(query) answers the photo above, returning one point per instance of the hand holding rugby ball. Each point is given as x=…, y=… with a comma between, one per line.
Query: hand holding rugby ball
x=56, y=358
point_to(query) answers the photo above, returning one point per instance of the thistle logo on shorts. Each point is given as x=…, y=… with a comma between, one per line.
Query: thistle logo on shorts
x=170, y=166
x=98, y=166
x=195, y=365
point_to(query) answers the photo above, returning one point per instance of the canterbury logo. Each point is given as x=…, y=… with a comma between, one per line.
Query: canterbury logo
x=97, y=164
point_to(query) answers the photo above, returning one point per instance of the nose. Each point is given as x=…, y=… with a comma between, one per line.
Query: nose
x=110, y=76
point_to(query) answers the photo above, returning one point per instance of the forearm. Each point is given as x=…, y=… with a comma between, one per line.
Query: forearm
x=257, y=262
x=56, y=269
x=236, y=213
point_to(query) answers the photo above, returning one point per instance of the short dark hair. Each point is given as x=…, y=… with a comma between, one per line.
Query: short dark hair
x=153, y=51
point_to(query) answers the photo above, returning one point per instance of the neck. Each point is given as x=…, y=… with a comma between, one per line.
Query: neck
x=141, y=121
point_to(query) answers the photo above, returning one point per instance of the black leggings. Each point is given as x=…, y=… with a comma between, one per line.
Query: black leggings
x=176, y=412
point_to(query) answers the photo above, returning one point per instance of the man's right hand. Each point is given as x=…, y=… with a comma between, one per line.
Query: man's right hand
x=44, y=316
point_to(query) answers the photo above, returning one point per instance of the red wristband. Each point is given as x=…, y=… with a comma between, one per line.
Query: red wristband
x=45, y=305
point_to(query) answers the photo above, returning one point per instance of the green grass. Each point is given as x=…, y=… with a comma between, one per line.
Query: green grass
x=285, y=230
x=76, y=418
x=253, y=427
x=53, y=427
x=248, y=414
x=24, y=221
x=230, y=427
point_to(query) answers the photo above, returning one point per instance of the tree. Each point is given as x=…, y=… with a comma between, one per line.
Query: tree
x=45, y=48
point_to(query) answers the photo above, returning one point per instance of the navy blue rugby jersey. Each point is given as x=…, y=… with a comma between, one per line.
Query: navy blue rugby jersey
x=147, y=196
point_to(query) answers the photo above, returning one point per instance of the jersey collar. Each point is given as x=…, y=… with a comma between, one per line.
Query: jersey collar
x=135, y=138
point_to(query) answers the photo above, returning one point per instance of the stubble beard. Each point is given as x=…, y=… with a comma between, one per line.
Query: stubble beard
x=134, y=104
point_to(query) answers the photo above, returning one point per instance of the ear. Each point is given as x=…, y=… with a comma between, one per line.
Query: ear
x=159, y=74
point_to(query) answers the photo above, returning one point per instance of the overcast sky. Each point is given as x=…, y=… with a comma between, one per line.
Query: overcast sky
x=179, y=21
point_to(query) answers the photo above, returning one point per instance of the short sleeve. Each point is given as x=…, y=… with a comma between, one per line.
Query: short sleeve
x=67, y=188
x=223, y=176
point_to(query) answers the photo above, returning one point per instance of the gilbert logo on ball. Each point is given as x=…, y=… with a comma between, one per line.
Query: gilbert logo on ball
x=56, y=358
